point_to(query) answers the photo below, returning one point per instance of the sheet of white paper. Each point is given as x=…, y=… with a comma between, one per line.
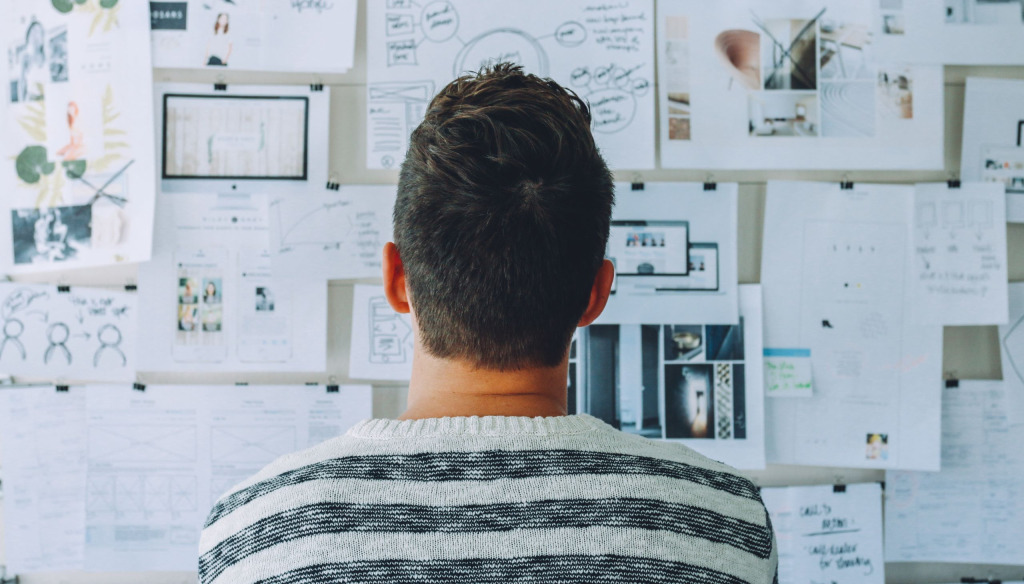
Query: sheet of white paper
x=604, y=51
x=790, y=84
x=959, y=264
x=331, y=235
x=159, y=459
x=77, y=124
x=992, y=148
x=699, y=384
x=1011, y=338
x=81, y=334
x=316, y=36
x=42, y=433
x=212, y=300
x=788, y=373
x=674, y=248
x=828, y=536
x=382, y=339
x=242, y=139
x=836, y=276
x=954, y=32
x=972, y=510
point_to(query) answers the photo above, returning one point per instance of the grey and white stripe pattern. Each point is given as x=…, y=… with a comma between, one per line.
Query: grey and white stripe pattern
x=566, y=499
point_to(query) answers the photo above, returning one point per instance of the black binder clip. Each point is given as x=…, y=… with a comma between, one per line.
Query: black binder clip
x=952, y=383
x=139, y=386
x=220, y=86
x=846, y=185
x=838, y=488
x=636, y=186
x=62, y=388
x=131, y=288
x=63, y=288
x=980, y=581
x=953, y=183
x=241, y=383
x=710, y=186
x=314, y=87
x=333, y=389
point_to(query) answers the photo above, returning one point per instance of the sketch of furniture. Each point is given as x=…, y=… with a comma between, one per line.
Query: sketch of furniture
x=740, y=51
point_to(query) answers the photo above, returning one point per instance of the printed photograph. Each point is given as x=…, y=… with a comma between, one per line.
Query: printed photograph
x=684, y=342
x=783, y=114
x=188, y=317
x=848, y=109
x=878, y=447
x=677, y=76
x=264, y=299
x=188, y=290
x=621, y=391
x=845, y=48
x=689, y=401
x=895, y=94
x=725, y=342
x=220, y=45
x=789, y=49
x=211, y=290
x=212, y=315
x=53, y=234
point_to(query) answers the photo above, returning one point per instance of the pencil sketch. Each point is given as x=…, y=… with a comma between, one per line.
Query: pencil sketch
x=58, y=334
x=389, y=334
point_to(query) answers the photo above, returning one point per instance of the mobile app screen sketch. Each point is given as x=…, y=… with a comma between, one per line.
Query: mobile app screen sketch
x=200, y=313
x=235, y=137
x=264, y=306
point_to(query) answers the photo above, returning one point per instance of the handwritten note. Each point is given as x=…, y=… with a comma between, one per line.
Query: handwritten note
x=331, y=235
x=959, y=269
x=787, y=373
x=828, y=534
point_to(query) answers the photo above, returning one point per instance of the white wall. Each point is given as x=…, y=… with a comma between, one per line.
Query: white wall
x=970, y=352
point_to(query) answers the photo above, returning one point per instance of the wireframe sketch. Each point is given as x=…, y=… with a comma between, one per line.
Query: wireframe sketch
x=54, y=333
x=257, y=445
x=233, y=136
x=389, y=334
x=142, y=443
x=602, y=51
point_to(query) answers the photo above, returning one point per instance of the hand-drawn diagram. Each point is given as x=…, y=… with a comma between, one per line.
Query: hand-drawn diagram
x=335, y=235
x=54, y=333
x=382, y=339
x=603, y=51
x=75, y=150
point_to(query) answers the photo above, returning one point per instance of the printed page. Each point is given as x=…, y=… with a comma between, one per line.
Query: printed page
x=992, y=148
x=790, y=84
x=674, y=250
x=828, y=534
x=960, y=255
x=699, y=384
x=954, y=32
x=604, y=51
x=836, y=279
x=971, y=511
x=42, y=432
x=337, y=235
x=68, y=333
x=144, y=495
x=314, y=36
x=213, y=299
x=382, y=339
x=77, y=121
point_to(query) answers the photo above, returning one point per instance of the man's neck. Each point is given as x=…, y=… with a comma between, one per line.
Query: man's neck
x=441, y=388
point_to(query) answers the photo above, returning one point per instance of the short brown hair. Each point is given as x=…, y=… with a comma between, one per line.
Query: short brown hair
x=504, y=203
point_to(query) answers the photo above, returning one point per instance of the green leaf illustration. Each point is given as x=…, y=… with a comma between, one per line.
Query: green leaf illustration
x=63, y=6
x=108, y=3
x=31, y=164
x=74, y=168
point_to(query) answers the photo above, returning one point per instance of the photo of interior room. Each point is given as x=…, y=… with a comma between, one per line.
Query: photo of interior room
x=783, y=114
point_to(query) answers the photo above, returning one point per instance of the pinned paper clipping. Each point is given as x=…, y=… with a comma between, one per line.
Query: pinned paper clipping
x=787, y=373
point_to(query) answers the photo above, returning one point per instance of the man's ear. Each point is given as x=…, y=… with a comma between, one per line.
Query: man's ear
x=599, y=293
x=394, y=280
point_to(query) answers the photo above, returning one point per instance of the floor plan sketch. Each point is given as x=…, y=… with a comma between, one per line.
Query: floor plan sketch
x=603, y=51
x=333, y=235
x=55, y=332
x=382, y=339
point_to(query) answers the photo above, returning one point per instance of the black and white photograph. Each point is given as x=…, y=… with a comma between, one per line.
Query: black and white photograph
x=264, y=299
x=53, y=234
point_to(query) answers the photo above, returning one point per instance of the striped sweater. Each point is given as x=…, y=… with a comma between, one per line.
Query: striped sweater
x=489, y=500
